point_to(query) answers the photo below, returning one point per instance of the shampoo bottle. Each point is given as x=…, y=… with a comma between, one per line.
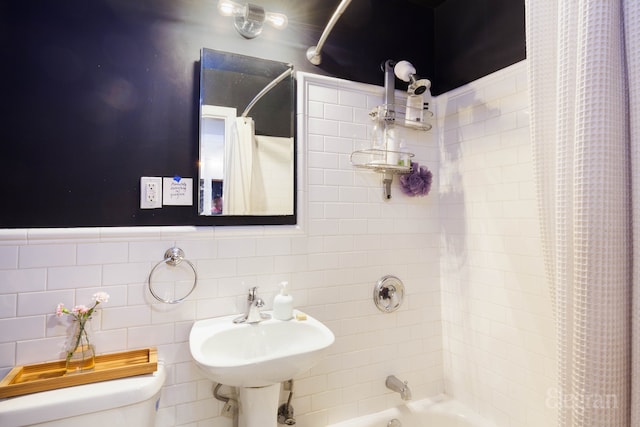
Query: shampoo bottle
x=283, y=304
x=414, y=112
x=392, y=146
x=405, y=158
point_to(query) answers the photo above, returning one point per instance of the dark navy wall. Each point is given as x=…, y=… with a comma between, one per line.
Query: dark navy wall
x=474, y=38
x=97, y=93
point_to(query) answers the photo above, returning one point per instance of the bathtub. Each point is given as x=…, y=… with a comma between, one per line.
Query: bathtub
x=438, y=412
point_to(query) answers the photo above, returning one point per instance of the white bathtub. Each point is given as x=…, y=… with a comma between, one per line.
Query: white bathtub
x=440, y=412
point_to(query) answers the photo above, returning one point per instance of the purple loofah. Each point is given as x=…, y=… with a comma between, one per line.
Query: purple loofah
x=418, y=182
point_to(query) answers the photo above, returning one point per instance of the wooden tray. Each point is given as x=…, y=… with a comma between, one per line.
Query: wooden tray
x=51, y=375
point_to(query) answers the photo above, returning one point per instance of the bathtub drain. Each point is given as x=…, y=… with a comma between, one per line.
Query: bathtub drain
x=394, y=423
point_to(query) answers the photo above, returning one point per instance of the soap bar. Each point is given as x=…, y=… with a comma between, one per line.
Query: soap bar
x=301, y=316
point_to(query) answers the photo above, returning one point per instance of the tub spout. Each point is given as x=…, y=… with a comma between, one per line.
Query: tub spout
x=393, y=383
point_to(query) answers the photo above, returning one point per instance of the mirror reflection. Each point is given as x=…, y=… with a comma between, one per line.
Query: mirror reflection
x=247, y=145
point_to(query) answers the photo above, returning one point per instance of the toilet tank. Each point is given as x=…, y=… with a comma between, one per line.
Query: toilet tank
x=127, y=401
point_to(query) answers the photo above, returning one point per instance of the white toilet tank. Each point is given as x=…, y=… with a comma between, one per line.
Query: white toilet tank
x=129, y=401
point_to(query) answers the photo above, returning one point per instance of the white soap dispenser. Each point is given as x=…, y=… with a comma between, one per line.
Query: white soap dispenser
x=283, y=304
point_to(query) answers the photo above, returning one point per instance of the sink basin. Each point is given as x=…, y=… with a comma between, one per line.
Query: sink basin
x=259, y=354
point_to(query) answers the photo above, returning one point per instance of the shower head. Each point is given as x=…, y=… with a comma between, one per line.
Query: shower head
x=418, y=87
x=405, y=71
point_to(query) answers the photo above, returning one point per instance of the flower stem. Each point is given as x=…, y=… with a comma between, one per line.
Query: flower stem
x=82, y=331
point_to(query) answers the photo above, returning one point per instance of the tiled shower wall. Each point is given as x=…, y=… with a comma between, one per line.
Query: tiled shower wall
x=498, y=332
x=476, y=239
x=348, y=238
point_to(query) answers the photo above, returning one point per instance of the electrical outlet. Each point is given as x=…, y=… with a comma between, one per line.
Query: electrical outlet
x=150, y=192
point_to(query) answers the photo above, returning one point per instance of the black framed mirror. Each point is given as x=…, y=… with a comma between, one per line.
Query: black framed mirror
x=247, y=164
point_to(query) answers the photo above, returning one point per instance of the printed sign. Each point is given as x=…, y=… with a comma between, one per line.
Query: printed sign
x=177, y=191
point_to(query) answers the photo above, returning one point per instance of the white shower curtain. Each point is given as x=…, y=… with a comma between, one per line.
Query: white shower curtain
x=584, y=78
x=272, y=180
x=238, y=153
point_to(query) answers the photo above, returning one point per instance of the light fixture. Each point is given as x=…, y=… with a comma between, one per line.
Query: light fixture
x=249, y=18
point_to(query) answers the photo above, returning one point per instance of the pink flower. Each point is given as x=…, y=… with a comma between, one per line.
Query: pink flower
x=101, y=297
x=80, y=309
x=82, y=312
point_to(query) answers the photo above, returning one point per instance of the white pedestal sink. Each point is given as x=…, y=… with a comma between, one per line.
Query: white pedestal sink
x=257, y=357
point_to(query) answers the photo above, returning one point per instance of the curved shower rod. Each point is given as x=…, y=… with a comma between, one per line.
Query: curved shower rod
x=313, y=53
x=267, y=88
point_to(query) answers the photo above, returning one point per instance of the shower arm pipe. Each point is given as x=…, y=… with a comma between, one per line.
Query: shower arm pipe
x=389, y=85
x=313, y=53
x=267, y=88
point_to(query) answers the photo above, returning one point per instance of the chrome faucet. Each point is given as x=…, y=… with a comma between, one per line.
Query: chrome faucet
x=252, y=313
x=393, y=383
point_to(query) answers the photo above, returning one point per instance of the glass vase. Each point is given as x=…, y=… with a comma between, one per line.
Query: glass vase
x=81, y=355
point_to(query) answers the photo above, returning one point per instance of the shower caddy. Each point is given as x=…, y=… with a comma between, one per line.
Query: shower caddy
x=388, y=159
x=387, y=156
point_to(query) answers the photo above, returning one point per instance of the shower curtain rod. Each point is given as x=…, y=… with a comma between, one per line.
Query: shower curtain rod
x=313, y=53
x=267, y=88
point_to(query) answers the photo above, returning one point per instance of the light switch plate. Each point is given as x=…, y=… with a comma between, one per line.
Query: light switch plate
x=150, y=192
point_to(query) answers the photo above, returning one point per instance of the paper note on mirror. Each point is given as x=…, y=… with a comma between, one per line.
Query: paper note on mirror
x=177, y=191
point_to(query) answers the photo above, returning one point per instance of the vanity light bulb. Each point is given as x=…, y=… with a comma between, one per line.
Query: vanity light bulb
x=230, y=8
x=277, y=20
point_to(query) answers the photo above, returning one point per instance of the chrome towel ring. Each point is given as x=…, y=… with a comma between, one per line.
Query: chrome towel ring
x=173, y=257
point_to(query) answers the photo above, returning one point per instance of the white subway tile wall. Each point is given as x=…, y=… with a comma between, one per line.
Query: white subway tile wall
x=498, y=333
x=348, y=238
x=476, y=322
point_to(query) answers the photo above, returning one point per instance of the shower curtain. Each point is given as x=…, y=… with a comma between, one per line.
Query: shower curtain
x=584, y=80
x=272, y=179
x=236, y=191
